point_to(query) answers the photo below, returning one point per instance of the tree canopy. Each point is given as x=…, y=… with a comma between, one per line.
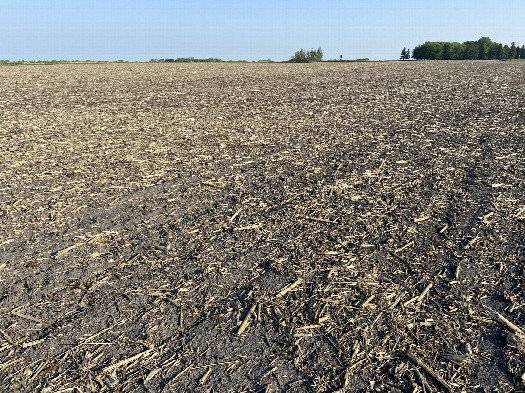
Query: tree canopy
x=482, y=49
x=302, y=56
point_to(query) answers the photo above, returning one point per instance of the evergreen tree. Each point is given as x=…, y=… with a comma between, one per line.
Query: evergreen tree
x=407, y=54
x=484, y=44
x=481, y=52
x=493, y=51
x=499, y=52
x=513, y=51
x=506, y=52
x=522, y=52
x=403, y=54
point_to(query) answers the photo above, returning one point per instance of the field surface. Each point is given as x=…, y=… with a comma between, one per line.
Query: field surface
x=262, y=227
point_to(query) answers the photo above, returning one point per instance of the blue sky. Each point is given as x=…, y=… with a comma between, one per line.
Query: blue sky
x=252, y=30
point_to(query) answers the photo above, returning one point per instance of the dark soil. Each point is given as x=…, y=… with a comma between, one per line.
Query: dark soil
x=262, y=228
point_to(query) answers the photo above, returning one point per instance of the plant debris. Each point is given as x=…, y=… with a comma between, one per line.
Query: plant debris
x=354, y=227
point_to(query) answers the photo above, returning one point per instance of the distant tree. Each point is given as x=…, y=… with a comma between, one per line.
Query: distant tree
x=301, y=56
x=482, y=49
x=403, y=54
x=471, y=50
x=493, y=51
x=481, y=52
x=447, y=55
x=419, y=52
x=315, y=55
x=407, y=54
x=499, y=51
x=319, y=54
x=453, y=50
x=484, y=44
x=429, y=50
x=506, y=52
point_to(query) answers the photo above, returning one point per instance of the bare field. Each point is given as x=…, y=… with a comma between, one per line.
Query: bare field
x=262, y=227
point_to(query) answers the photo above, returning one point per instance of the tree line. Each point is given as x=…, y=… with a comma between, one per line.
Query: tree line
x=482, y=49
x=302, y=56
x=186, y=60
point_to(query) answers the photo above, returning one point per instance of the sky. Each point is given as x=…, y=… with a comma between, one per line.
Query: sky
x=140, y=30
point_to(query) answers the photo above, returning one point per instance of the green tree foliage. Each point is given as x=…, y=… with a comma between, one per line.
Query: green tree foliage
x=506, y=52
x=299, y=57
x=447, y=51
x=484, y=44
x=493, y=51
x=499, y=52
x=471, y=50
x=302, y=56
x=482, y=49
x=429, y=50
x=186, y=60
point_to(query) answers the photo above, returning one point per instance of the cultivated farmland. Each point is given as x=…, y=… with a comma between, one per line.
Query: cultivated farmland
x=262, y=227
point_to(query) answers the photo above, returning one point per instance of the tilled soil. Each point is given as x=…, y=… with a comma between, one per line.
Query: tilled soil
x=262, y=227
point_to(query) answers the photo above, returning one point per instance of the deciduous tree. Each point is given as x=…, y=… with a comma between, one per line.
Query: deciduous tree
x=483, y=49
x=301, y=56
